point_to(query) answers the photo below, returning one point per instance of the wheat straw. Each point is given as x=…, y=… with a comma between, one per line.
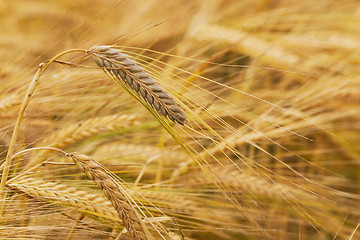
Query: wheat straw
x=11, y=150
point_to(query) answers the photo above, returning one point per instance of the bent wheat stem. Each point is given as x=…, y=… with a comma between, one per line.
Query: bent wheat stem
x=6, y=166
x=7, y=163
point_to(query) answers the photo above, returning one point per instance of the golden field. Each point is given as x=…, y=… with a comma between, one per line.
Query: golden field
x=224, y=120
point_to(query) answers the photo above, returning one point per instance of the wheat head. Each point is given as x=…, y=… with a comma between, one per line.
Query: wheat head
x=123, y=68
x=64, y=195
x=115, y=193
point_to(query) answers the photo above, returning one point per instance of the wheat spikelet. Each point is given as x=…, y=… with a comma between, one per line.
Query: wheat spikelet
x=134, y=76
x=64, y=195
x=115, y=193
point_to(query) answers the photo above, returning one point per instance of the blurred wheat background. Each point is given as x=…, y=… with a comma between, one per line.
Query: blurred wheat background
x=270, y=148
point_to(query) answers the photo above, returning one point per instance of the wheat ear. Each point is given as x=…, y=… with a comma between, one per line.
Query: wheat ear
x=9, y=102
x=88, y=128
x=122, y=67
x=115, y=193
x=64, y=195
x=82, y=130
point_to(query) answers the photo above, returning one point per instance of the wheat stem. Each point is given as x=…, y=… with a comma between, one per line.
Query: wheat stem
x=40, y=70
x=7, y=163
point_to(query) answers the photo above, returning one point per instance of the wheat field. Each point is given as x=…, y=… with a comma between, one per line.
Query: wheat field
x=217, y=119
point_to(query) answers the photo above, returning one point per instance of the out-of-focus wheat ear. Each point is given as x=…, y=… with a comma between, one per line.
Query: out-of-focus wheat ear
x=8, y=103
x=116, y=194
x=127, y=70
x=81, y=130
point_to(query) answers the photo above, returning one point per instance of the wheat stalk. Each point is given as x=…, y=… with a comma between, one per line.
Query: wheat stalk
x=29, y=93
x=115, y=193
x=123, y=68
x=6, y=165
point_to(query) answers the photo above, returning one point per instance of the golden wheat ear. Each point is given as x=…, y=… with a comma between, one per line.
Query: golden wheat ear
x=115, y=193
x=122, y=67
